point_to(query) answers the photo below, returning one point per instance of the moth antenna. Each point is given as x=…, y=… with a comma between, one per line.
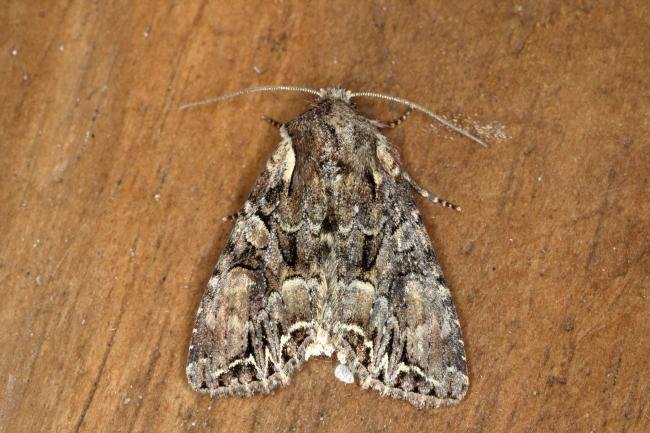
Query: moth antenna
x=424, y=110
x=248, y=91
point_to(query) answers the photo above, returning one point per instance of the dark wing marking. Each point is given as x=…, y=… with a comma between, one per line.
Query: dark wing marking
x=399, y=332
x=254, y=322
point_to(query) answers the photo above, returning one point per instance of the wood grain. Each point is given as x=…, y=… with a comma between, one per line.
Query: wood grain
x=112, y=203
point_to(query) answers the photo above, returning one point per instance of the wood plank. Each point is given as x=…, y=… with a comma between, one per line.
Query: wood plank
x=113, y=199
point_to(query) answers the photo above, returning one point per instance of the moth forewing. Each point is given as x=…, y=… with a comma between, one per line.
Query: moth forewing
x=329, y=255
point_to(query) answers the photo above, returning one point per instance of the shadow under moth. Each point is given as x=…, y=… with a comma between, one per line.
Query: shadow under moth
x=329, y=256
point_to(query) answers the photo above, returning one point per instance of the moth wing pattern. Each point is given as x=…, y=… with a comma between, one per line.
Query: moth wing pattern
x=408, y=344
x=242, y=342
x=330, y=254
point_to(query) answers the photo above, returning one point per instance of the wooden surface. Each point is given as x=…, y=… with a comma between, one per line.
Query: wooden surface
x=113, y=199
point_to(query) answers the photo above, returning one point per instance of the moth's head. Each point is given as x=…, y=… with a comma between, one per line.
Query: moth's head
x=335, y=93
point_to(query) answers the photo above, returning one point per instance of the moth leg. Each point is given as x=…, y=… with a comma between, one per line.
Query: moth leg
x=273, y=122
x=393, y=123
x=231, y=217
x=426, y=194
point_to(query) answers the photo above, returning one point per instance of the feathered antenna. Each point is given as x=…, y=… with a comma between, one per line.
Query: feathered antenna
x=251, y=90
x=319, y=93
x=424, y=110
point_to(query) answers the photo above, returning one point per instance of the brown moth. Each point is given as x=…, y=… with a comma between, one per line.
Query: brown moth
x=329, y=256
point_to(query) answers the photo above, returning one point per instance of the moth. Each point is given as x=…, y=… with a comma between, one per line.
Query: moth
x=329, y=256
